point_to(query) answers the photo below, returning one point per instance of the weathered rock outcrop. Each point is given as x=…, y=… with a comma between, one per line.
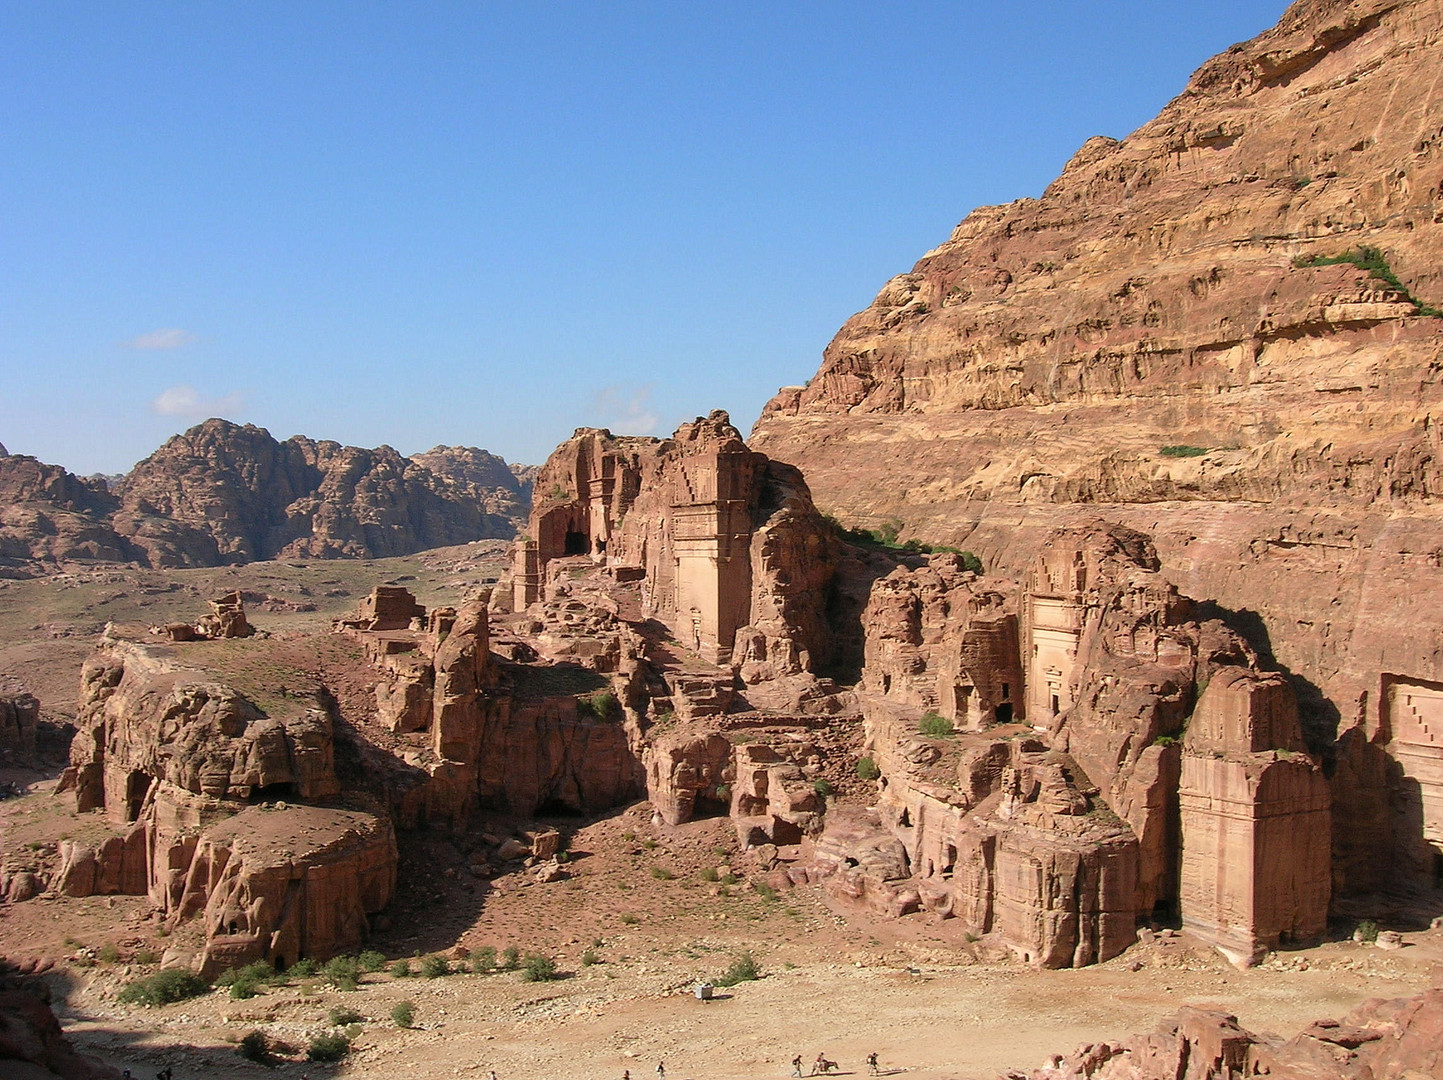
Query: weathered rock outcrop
x=278, y=883
x=729, y=551
x=48, y=515
x=19, y=718
x=1058, y=848
x=1398, y=1039
x=222, y=493
x=471, y=475
x=1154, y=340
x=32, y=1043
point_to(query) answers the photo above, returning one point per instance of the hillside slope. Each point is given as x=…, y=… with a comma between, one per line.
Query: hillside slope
x=1164, y=339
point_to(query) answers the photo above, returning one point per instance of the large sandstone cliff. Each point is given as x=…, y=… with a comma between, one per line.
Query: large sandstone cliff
x=1153, y=340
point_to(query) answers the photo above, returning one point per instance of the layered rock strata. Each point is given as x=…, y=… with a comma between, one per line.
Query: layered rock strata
x=1219, y=330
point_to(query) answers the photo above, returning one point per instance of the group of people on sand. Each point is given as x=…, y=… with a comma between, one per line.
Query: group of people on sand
x=822, y=1066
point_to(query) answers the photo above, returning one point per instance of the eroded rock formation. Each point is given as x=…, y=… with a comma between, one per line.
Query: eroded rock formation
x=729, y=551
x=19, y=719
x=1217, y=331
x=1399, y=1039
x=225, y=493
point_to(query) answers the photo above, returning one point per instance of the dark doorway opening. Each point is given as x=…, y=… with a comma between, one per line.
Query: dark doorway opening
x=137, y=786
x=1003, y=713
x=554, y=808
x=273, y=793
x=576, y=543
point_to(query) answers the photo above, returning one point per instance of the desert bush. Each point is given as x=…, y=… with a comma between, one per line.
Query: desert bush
x=254, y=1046
x=601, y=705
x=709, y=873
x=935, y=725
x=342, y=972
x=303, y=968
x=330, y=1046
x=164, y=987
x=661, y=873
x=822, y=786
x=1183, y=451
x=629, y=919
x=867, y=769
x=434, y=966
x=483, y=959
x=403, y=1014
x=147, y=956
x=401, y=969
x=510, y=958
x=371, y=961
x=108, y=953
x=341, y=1016
x=1367, y=930
x=539, y=968
x=765, y=891
x=742, y=969
x=590, y=957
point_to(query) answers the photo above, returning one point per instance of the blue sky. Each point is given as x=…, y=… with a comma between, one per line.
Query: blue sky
x=490, y=223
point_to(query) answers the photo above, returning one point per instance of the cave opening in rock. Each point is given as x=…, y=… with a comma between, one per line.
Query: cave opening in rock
x=576, y=543
x=557, y=808
x=280, y=962
x=280, y=792
x=137, y=786
x=1003, y=713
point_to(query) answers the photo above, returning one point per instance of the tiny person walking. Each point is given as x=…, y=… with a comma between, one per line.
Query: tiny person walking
x=661, y=1070
x=797, y=1065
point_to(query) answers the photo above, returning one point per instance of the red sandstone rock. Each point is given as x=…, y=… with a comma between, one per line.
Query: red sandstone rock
x=30, y=1036
x=727, y=544
x=19, y=718
x=1029, y=372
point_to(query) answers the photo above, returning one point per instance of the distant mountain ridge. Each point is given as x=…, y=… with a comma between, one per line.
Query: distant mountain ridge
x=224, y=493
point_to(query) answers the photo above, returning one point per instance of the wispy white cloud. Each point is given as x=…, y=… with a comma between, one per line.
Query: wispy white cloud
x=186, y=402
x=169, y=338
x=627, y=409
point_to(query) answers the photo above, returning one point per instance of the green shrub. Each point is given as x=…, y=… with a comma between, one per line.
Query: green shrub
x=867, y=769
x=729, y=878
x=743, y=968
x=661, y=873
x=331, y=1046
x=822, y=786
x=1183, y=451
x=341, y=1016
x=108, y=953
x=401, y=969
x=629, y=919
x=971, y=562
x=1375, y=262
x=1367, y=930
x=590, y=957
x=539, y=968
x=510, y=958
x=255, y=974
x=342, y=972
x=243, y=988
x=254, y=1046
x=164, y=987
x=709, y=873
x=403, y=1014
x=483, y=959
x=371, y=961
x=147, y=956
x=599, y=705
x=303, y=968
x=1165, y=740
x=435, y=966
x=765, y=891
x=649, y=843
x=935, y=725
